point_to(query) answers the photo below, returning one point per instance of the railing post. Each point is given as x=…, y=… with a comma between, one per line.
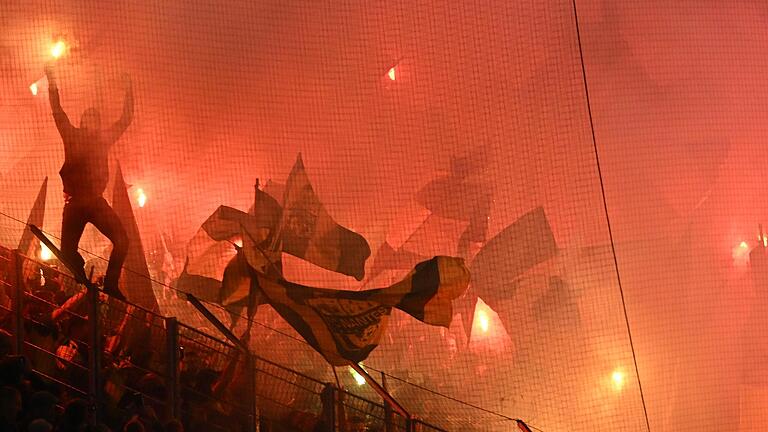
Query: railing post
x=409, y=424
x=328, y=398
x=389, y=421
x=172, y=351
x=94, y=357
x=18, y=301
x=251, y=368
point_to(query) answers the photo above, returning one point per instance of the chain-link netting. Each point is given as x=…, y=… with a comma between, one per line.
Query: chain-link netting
x=597, y=165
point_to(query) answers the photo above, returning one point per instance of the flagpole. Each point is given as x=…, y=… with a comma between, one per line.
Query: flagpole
x=380, y=390
x=263, y=253
x=335, y=375
x=255, y=196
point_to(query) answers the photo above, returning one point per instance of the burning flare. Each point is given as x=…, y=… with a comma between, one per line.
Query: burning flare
x=58, y=49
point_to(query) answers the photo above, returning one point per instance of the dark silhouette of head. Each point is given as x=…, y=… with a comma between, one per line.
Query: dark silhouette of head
x=174, y=426
x=134, y=425
x=90, y=120
x=42, y=405
x=76, y=415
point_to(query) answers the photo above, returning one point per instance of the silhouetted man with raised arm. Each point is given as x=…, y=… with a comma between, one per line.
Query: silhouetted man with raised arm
x=85, y=174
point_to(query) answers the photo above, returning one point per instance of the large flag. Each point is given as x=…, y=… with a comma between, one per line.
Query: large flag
x=135, y=281
x=460, y=199
x=389, y=258
x=345, y=326
x=508, y=255
x=212, y=251
x=28, y=244
x=308, y=232
x=517, y=248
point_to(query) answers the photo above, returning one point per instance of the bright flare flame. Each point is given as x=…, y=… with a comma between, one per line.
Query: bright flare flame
x=744, y=245
x=483, y=321
x=238, y=242
x=33, y=89
x=391, y=73
x=58, y=49
x=45, y=253
x=141, y=197
x=358, y=378
x=617, y=378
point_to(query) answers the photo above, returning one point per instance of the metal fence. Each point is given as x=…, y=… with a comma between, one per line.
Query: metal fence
x=154, y=364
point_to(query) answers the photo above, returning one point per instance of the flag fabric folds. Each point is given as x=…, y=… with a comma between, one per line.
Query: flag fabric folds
x=28, y=244
x=502, y=260
x=345, y=326
x=517, y=248
x=135, y=282
x=308, y=232
x=460, y=199
x=389, y=258
x=212, y=250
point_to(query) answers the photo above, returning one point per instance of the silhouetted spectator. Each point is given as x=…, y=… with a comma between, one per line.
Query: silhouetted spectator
x=42, y=406
x=76, y=417
x=10, y=406
x=39, y=425
x=134, y=425
x=6, y=344
x=12, y=369
x=174, y=426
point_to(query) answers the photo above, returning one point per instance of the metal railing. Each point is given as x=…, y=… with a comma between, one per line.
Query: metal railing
x=148, y=362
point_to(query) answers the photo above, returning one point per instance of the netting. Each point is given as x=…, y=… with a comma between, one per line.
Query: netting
x=419, y=123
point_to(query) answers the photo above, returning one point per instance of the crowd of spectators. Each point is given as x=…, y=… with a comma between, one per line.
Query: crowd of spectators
x=46, y=386
x=46, y=382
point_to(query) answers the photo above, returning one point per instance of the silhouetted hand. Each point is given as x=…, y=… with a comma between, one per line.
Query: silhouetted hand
x=49, y=72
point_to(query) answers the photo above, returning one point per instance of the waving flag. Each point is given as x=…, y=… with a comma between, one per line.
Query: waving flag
x=135, y=281
x=28, y=244
x=211, y=252
x=460, y=199
x=389, y=258
x=308, y=232
x=345, y=326
x=517, y=248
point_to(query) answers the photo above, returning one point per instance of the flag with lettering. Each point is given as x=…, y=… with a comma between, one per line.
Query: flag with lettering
x=345, y=326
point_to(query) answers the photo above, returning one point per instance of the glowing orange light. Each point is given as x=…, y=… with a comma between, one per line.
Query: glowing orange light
x=744, y=245
x=765, y=241
x=33, y=89
x=238, y=242
x=359, y=379
x=391, y=73
x=58, y=49
x=45, y=253
x=617, y=378
x=483, y=321
x=141, y=197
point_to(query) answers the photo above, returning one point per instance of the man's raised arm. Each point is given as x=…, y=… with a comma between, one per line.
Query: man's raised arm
x=126, y=118
x=59, y=116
